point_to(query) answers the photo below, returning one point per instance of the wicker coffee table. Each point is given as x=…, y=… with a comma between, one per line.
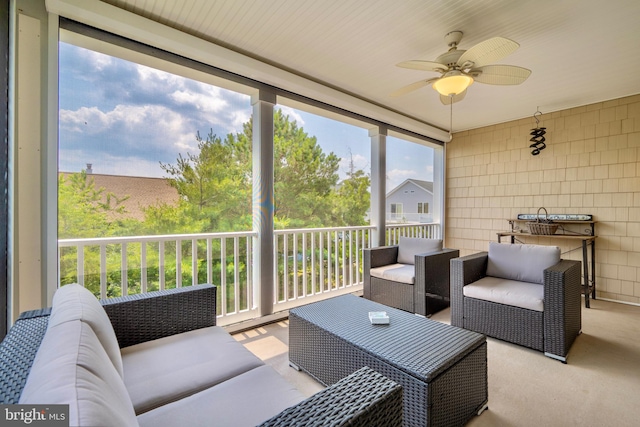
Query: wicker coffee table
x=442, y=369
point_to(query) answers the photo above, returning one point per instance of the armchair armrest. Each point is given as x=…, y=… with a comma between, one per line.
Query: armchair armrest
x=376, y=257
x=432, y=277
x=465, y=270
x=562, y=307
x=364, y=398
x=145, y=317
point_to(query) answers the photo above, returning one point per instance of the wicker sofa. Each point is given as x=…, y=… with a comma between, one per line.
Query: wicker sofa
x=158, y=359
x=524, y=294
x=412, y=275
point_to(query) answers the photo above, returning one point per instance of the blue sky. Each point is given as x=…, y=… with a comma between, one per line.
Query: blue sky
x=126, y=118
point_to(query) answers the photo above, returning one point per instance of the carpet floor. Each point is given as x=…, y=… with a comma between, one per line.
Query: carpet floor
x=599, y=385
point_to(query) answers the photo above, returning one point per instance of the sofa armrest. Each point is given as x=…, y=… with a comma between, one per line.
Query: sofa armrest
x=464, y=270
x=17, y=352
x=376, y=257
x=145, y=317
x=562, y=306
x=362, y=399
x=432, y=277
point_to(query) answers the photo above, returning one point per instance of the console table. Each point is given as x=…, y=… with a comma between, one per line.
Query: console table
x=587, y=237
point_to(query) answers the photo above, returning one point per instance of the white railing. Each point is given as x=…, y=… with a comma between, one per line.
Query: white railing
x=309, y=264
x=151, y=263
x=428, y=231
x=313, y=262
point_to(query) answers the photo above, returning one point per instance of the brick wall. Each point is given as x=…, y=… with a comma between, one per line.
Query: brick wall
x=591, y=165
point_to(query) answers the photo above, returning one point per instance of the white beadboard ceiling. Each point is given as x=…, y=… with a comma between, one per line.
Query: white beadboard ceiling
x=580, y=51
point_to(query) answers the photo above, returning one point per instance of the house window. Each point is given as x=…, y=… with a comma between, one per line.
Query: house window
x=396, y=210
x=423, y=208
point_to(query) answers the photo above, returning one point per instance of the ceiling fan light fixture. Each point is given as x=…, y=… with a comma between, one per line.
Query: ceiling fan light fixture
x=452, y=83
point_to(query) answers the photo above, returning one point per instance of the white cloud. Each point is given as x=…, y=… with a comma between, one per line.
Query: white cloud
x=359, y=162
x=396, y=177
x=293, y=114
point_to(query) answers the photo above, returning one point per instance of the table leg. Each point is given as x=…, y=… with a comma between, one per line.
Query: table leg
x=593, y=269
x=585, y=268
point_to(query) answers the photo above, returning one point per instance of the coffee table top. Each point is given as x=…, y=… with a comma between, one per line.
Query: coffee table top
x=418, y=346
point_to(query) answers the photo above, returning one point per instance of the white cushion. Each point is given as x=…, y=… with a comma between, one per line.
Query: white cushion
x=525, y=263
x=396, y=272
x=167, y=369
x=71, y=367
x=409, y=247
x=74, y=302
x=243, y=401
x=509, y=292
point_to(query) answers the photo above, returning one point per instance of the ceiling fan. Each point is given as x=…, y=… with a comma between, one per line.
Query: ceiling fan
x=460, y=68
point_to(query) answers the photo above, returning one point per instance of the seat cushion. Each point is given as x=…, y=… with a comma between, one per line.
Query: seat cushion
x=525, y=263
x=409, y=247
x=509, y=292
x=71, y=367
x=396, y=272
x=245, y=400
x=74, y=302
x=168, y=369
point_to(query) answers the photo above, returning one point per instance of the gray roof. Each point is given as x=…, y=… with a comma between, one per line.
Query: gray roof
x=425, y=185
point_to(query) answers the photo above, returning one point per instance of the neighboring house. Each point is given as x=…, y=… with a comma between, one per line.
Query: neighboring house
x=411, y=201
x=142, y=192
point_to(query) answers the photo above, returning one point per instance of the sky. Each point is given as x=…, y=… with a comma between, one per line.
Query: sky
x=126, y=118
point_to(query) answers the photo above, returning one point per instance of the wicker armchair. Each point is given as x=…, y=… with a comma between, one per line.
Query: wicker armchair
x=552, y=327
x=412, y=276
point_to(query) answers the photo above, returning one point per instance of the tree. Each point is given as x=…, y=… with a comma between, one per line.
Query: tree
x=213, y=186
x=84, y=210
x=352, y=199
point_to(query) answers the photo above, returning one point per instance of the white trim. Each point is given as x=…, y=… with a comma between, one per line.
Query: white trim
x=50, y=166
x=615, y=300
x=118, y=21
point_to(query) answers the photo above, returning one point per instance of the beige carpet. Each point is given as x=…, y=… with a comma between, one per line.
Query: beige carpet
x=600, y=385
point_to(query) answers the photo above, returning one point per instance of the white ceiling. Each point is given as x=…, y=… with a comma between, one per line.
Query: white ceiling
x=580, y=51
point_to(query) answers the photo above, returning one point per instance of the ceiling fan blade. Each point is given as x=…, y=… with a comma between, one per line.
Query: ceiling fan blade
x=448, y=100
x=413, y=86
x=500, y=74
x=423, y=66
x=487, y=52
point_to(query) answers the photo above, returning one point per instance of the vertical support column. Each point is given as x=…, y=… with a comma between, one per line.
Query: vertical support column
x=439, y=189
x=263, y=208
x=27, y=269
x=378, y=184
x=4, y=166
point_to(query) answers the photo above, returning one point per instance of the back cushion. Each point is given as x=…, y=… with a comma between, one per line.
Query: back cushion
x=71, y=367
x=74, y=302
x=525, y=263
x=409, y=247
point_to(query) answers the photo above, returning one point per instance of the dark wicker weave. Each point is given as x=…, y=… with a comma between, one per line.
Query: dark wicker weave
x=552, y=330
x=429, y=293
x=442, y=369
x=368, y=398
x=145, y=317
x=17, y=351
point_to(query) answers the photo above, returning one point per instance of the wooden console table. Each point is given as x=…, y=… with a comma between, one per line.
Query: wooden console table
x=587, y=237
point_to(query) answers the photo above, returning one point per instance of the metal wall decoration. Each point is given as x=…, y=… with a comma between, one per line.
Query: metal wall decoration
x=537, y=136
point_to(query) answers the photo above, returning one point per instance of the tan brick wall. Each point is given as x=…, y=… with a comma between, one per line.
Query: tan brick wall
x=591, y=165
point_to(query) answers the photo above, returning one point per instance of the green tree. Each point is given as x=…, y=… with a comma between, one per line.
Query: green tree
x=84, y=210
x=352, y=198
x=213, y=186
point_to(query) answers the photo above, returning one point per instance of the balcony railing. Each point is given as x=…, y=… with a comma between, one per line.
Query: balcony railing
x=309, y=264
